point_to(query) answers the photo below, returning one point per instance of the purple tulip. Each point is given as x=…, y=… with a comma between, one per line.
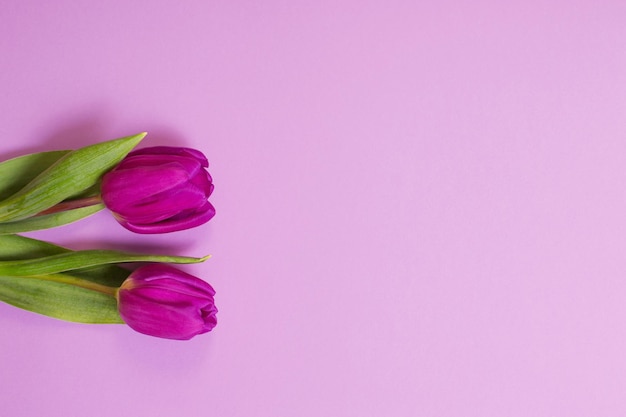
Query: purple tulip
x=162, y=301
x=159, y=190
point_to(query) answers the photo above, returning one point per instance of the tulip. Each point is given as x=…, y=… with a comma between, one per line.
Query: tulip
x=162, y=301
x=159, y=190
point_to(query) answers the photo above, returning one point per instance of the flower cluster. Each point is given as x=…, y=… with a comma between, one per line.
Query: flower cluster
x=151, y=190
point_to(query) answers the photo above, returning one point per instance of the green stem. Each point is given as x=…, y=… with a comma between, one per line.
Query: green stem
x=83, y=283
x=74, y=204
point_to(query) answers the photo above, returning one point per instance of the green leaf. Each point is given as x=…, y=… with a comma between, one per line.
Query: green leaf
x=83, y=259
x=73, y=173
x=109, y=275
x=15, y=247
x=49, y=220
x=59, y=300
x=17, y=172
x=29, y=278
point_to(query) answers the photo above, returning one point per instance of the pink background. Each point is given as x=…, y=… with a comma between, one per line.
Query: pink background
x=420, y=205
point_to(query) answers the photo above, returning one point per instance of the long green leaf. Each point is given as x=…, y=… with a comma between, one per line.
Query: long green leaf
x=64, y=296
x=107, y=274
x=15, y=247
x=71, y=174
x=59, y=300
x=17, y=172
x=83, y=259
x=49, y=220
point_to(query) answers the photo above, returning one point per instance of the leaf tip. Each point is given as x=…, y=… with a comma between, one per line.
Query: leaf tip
x=139, y=136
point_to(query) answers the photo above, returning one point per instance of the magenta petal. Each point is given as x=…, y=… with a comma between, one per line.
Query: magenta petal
x=172, y=279
x=190, y=165
x=160, y=190
x=187, y=198
x=182, y=221
x=203, y=181
x=125, y=188
x=161, y=301
x=179, y=322
x=173, y=150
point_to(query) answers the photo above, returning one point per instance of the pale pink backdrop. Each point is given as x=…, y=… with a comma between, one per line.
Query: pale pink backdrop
x=421, y=205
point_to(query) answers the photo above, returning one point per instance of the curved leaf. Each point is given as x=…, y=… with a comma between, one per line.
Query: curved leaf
x=15, y=247
x=49, y=220
x=59, y=300
x=83, y=259
x=71, y=174
x=17, y=172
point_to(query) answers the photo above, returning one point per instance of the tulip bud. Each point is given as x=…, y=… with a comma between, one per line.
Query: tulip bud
x=159, y=190
x=162, y=301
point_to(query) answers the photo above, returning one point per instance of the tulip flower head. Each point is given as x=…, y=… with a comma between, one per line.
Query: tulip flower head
x=162, y=301
x=159, y=190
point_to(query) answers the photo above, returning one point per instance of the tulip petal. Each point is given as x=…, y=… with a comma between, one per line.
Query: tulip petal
x=190, y=165
x=203, y=181
x=162, y=301
x=178, y=322
x=179, y=222
x=187, y=198
x=173, y=150
x=138, y=185
x=165, y=276
x=160, y=190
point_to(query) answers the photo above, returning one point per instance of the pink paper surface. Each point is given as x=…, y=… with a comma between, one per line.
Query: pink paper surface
x=420, y=205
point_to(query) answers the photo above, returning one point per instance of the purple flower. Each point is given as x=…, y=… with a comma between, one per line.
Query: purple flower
x=159, y=190
x=162, y=301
